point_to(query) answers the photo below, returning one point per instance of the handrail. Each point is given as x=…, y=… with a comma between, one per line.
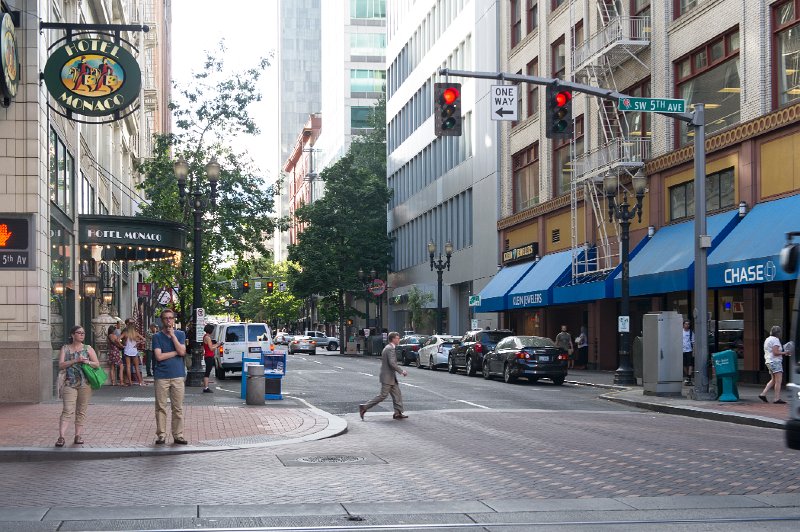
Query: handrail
x=617, y=151
x=617, y=29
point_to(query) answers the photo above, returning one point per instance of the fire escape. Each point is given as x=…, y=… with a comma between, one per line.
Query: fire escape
x=618, y=40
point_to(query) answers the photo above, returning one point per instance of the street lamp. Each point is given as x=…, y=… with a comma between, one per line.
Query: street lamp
x=366, y=281
x=198, y=204
x=440, y=265
x=624, y=213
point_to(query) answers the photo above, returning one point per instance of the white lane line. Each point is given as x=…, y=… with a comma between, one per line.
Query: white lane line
x=337, y=367
x=472, y=404
x=367, y=374
x=317, y=362
x=407, y=384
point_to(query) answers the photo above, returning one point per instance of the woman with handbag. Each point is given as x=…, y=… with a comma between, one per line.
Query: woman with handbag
x=73, y=386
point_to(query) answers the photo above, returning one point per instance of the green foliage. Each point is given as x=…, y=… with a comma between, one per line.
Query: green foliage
x=421, y=316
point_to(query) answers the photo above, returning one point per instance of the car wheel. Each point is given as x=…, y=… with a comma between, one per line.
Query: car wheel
x=558, y=381
x=507, y=376
x=486, y=374
x=219, y=373
x=470, y=369
x=431, y=365
x=451, y=365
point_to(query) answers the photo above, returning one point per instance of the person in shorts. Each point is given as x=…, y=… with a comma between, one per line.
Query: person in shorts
x=773, y=358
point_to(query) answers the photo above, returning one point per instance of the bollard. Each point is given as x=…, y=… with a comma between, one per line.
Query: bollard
x=255, y=384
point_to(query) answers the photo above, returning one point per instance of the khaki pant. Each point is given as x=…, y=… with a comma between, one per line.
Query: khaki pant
x=386, y=390
x=76, y=400
x=174, y=389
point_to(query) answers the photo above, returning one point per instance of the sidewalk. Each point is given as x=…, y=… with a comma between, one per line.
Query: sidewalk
x=121, y=422
x=749, y=410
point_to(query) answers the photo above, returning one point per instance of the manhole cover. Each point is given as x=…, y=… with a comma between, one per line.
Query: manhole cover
x=335, y=459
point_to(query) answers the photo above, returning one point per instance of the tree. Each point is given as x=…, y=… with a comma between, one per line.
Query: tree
x=417, y=307
x=211, y=113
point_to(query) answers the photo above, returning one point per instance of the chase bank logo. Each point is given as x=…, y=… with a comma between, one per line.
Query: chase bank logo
x=758, y=273
x=769, y=270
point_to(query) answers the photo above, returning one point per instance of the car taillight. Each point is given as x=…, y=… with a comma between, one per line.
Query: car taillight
x=220, y=350
x=523, y=354
x=415, y=348
x=478, y=347
x=563, y=357
x=313, y=342
x=294, y=341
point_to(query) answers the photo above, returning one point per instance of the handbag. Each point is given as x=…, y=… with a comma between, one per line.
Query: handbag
x=94, y=376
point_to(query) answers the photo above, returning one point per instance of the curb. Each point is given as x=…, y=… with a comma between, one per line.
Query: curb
x=336, y=426
x=603, y=386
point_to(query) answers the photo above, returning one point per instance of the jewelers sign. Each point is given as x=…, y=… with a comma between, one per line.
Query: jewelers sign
x=93, y=77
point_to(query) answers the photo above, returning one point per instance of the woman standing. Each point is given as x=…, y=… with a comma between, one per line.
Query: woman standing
x=583, y=348
x=773, y=357
x=75, y=391
x=208, y=355
x=130, y=340
x=114, y=356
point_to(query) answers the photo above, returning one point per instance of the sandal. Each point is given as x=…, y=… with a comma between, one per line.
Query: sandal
x=78, y=440
x=60, y=442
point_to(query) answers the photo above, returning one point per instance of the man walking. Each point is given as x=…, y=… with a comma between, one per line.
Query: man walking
x=169, y=348
x=389, y=384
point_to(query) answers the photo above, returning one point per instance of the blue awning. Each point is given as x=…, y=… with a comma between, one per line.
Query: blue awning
x=493, y=295
x=666, y=263
x=749, y=254
x=535, y=289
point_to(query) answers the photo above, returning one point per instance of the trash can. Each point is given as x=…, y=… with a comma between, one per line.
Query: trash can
x=727, y=375
x=254, y=384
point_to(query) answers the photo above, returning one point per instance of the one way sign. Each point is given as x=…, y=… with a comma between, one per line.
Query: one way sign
x=504, y=102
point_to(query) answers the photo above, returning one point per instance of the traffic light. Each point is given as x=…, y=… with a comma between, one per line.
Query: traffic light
x=559, y=113
x=246, y=286
x=270, y=287
x=447, y=109
x=349, y=322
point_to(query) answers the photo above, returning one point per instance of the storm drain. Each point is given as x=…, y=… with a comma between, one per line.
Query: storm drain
x=330, y=459
x=305, y=460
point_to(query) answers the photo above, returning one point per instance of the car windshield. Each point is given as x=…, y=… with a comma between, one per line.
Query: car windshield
x=492, y=337
x=256, y=333
x=535, y=341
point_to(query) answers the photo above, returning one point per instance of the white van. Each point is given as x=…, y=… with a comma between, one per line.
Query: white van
x=238, y=339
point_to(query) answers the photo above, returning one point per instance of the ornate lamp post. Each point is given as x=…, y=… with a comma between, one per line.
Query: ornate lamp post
x=624, y=213
x=366, y=281
x=440, y=266
x=199, y=204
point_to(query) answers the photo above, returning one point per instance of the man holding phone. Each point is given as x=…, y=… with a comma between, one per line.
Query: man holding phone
x=169, y=349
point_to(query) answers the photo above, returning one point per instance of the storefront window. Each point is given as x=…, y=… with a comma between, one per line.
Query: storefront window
x=526, y=178
x=62, y=315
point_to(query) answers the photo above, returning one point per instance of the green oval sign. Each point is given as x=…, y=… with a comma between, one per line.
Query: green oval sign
x=93, y=77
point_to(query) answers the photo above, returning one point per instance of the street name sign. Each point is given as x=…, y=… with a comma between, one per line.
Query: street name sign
x=652, y=105
x=505, y=102
x=474, y=301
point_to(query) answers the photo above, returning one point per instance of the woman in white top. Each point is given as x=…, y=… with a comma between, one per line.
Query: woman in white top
x=773, y=357
x=130, y=340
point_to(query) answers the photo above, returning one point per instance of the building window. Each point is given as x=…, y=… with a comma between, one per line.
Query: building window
x=368, y=9
x=557, y=3
x=526, y=177
x=533, y=15
x=710, y=75
x=720, y=194
x=577, y=33
x=681, y=7
x=516, y=22
x=579, y=140
x=562, y=158
x=640, y=8
x=786, y=61
x=359, y=117
x=369, y=81
x=533, y=90
x=369, y=44
x=558, y=58
x=638, y=124
x=53, y=166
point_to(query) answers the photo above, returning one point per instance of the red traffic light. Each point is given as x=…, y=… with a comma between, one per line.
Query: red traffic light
x=450, y=95
x=563, y=98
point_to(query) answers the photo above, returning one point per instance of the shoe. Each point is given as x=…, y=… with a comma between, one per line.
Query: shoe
x=60, y=442
x=78, y=440
x=181, y=441
x=208, y=390
x=160, y=441
x=400, y=415
x=779, y=402
x=361, y=411
x=763, y=398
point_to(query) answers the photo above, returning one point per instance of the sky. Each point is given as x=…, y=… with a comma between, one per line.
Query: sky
x=249, y=28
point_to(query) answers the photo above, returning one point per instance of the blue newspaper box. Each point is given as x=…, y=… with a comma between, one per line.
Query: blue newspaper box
x=274, y=370
x=727, y=375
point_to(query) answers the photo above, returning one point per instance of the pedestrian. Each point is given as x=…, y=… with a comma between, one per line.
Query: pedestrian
x=583, y=348
x=388, y=379
x=149, y=359
x=687, y=342
x=73, y=387
x=169, y=348
x=208, y=355
x=773, y=357
x=130, y=340
x=114, y=356
x=564, y=341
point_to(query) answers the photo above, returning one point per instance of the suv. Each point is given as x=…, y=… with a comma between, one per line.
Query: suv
x=238, y=339
x=474, y=345
x=331, y=343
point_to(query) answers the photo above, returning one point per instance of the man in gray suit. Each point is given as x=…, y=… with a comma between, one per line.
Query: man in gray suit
x=389, y=384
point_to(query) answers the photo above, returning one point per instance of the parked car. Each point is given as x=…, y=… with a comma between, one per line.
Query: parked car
x=237, y=339
x=435, y=350
x=470, y=352
x=531, y=357
x=408, y=348
x=303, y=344
x=331, y=343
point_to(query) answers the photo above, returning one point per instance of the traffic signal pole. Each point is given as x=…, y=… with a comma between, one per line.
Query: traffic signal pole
x=702, y=241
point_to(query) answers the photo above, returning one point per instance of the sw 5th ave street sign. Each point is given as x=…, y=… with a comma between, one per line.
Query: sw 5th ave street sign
x=652, y=105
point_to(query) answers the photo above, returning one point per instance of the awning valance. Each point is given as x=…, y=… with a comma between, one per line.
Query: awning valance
x=132, y=238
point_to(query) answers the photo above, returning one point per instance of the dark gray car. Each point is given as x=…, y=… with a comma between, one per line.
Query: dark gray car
x=531, y=357
x=474, y=345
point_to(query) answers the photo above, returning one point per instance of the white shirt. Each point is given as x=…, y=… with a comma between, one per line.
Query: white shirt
x=688, y=340
x=768, y=344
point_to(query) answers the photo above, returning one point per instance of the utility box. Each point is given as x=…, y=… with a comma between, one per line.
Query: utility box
x=662, y=367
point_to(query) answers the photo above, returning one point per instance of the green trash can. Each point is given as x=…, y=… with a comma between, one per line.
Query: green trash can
x=727, y=375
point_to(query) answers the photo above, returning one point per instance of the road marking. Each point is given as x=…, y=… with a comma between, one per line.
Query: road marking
x=337, y=367
x=317, y=362
x=367, y=374
x=407, y=384
x=472, y=404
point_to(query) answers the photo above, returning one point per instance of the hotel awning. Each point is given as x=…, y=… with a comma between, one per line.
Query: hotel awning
x=132, y=238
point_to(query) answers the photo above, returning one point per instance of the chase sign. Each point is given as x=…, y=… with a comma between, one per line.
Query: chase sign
x=745, y=272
